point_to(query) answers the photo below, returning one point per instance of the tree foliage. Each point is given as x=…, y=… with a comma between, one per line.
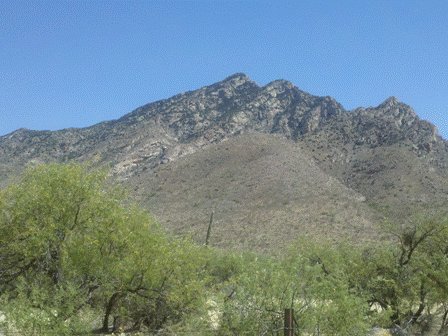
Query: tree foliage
x=68, y=243
x=323, y=302
x=408, y=275
x=76, y=255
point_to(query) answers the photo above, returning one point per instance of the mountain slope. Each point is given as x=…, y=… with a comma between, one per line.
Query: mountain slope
x=265, y=192
x=386, y=153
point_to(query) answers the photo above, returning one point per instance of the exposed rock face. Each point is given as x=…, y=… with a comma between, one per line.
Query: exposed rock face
x=167, y=129
x=385, y=153
x=392, y=122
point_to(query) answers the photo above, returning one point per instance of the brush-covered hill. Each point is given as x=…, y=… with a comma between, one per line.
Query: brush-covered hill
x=265, y=192
x=386, y=154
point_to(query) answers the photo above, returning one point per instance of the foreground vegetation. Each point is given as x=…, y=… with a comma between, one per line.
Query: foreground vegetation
x=76, y=257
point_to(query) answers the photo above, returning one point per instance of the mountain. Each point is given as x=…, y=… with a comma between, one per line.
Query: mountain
x=265, y=192
x=272, y=161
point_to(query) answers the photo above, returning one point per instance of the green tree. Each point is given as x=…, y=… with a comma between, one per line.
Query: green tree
x=70, y=244
x=406, y=276
x=319, y=293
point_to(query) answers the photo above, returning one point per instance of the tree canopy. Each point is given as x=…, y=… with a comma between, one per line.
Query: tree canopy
x=70, y=241
x=76, y=254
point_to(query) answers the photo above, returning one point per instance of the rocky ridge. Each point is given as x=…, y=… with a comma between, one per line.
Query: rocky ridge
x=385, y=153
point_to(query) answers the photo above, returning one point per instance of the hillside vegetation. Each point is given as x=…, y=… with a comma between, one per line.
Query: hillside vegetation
x=77, y=256
x=265, y=192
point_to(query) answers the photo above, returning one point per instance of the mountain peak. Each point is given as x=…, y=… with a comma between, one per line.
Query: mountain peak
x=17, y=132
x=392, y=100
x=280, y=83
x=237, y=78
x=392, y=103
x=397, y=108
x=389, y=102
x=202, y=145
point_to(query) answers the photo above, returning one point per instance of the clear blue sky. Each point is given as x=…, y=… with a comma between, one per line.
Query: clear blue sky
x=76, y=63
